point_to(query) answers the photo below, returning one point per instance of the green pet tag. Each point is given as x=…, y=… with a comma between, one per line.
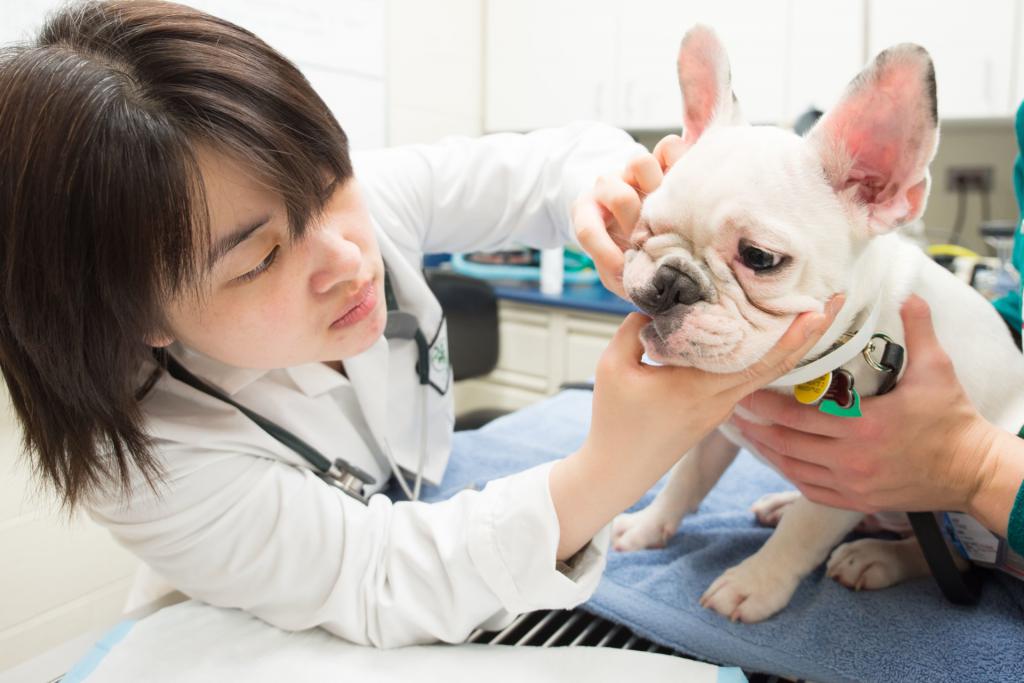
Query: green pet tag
x=832, y=408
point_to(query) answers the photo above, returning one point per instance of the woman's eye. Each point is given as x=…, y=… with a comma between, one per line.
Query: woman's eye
x=759, y=260
x=262, y=267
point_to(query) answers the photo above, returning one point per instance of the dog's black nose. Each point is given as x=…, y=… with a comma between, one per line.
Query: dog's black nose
x=672, y=287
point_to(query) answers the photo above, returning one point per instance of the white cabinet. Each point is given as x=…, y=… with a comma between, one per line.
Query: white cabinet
x=826, y=50
x=541, y=348
x=548, y=63
x=972, y=47
x=647, y=91
x=615, y=61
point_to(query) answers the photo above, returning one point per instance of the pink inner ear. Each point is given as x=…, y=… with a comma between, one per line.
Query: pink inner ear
x=700, y=96
x=886, y=127
x=703, y=78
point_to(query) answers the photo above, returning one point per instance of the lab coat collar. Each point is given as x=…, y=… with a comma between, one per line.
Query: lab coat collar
x=312, y=379
x=228, y=378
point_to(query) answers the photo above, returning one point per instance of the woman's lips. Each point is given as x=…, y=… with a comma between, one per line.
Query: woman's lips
x=366, y=301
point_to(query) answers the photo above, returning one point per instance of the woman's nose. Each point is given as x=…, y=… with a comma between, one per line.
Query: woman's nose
x=335, y=260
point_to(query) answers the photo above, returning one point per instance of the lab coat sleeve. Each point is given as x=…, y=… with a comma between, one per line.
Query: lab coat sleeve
x=471, y=194
x=260, y=535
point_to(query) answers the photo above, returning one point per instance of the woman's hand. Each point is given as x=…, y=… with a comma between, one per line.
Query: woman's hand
x=605, y=216
x=646, y=417
x=923, y=446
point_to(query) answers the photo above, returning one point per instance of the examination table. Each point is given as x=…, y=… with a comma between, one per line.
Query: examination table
x=827, y=633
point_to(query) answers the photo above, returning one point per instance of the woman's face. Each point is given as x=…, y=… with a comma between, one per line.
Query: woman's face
x=271, y=302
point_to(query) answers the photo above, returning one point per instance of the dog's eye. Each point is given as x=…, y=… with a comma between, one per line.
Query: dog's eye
x=759, y=260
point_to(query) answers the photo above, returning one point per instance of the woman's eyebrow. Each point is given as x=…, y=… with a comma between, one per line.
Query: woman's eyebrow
x=233, y=239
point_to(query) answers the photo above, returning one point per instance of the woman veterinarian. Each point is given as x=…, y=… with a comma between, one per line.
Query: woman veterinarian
x=193, y=266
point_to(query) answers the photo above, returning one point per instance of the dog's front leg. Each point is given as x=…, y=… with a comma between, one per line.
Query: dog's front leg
x=691, y=479
x=763, y=584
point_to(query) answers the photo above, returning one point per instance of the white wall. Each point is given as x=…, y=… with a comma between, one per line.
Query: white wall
x=434, y=69
x=58, y=578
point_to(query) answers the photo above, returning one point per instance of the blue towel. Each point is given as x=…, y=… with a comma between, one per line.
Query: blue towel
x=827, y=633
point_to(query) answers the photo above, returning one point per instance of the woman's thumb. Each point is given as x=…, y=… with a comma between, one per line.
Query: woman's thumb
x=626, y=345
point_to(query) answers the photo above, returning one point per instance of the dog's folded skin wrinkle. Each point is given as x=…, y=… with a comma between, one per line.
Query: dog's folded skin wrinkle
x=830, y=203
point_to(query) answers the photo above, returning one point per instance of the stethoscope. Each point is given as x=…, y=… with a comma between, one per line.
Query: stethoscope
x=338, y=472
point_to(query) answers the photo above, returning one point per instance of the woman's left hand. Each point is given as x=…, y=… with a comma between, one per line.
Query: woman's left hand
x=604, y=217
x=921, y=447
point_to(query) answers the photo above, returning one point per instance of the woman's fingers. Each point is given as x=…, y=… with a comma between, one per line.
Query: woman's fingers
x=668, y=150
x=643, y=173
x=621, y=200
x=592, y=233
x=801, y=336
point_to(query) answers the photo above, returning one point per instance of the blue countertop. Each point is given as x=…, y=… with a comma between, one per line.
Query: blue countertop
x=592, y=298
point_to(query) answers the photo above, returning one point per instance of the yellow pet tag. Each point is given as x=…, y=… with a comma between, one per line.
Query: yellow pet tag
x=811, y=392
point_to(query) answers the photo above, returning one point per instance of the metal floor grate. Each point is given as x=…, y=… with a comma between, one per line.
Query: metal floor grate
x=574, y=628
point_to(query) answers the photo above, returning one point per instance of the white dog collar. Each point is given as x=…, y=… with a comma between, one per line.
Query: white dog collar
x=835, y=358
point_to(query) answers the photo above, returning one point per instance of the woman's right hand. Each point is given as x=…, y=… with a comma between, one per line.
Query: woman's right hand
x=604, y=216
x=645, y=417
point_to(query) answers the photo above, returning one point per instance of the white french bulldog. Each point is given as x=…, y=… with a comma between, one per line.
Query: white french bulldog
x=754, y=225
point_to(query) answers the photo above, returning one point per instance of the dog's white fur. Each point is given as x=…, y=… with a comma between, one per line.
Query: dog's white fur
x=829, y=203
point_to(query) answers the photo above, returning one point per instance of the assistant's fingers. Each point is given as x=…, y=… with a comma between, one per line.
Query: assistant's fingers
x=800, y=471
x=783, y=409
x=668, y=150
x=792, y=443
x=644, y=173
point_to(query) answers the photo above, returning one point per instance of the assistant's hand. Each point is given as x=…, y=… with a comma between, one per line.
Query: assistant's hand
x=923, y=446
x=604, y=217
x=645, y=417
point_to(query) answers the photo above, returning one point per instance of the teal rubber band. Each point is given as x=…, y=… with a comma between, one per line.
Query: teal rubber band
x=1015, y=527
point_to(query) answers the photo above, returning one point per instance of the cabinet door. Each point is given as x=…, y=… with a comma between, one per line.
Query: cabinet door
x=754, y=35
x=826, y=50
x=971, y=45
x=548, y=63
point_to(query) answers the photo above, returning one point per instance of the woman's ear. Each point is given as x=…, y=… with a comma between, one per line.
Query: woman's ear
x=158, y=341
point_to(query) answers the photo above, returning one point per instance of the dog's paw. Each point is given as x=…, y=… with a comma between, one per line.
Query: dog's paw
x=872, y=564
x=647, y=528
x=750, y=591
x=770, y=507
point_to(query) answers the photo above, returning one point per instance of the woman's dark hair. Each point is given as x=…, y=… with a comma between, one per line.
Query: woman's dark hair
x=103, y=218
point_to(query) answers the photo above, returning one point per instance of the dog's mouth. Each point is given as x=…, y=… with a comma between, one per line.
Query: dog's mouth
x=700, y=341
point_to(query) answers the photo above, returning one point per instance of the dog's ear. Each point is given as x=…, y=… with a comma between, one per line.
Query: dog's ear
x=876, y=143
x=705, y=82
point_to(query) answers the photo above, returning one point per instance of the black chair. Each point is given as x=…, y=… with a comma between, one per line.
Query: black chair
x=471, y=309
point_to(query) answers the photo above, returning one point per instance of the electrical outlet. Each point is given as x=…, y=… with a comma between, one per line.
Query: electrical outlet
x=969, y=178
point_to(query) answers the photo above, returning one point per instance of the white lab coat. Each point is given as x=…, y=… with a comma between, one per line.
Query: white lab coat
x=242, y=521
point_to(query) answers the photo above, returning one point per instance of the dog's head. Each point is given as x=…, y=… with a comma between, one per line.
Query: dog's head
x=755, y=225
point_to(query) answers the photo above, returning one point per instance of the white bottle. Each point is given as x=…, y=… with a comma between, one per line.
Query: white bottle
x=552, y=264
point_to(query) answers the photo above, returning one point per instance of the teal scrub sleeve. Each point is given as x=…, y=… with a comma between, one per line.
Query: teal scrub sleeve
x=1009, y=306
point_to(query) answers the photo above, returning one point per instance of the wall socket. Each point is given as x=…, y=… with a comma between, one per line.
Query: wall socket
x=969, y=178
